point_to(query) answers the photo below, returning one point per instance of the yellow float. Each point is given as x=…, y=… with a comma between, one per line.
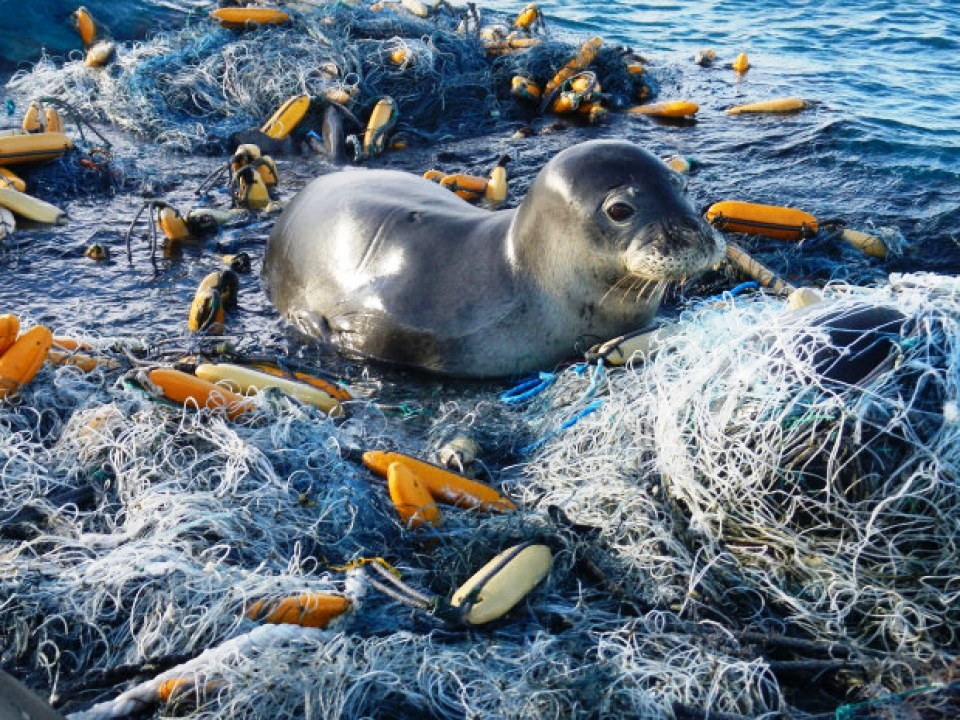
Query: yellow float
x=31, y=208
x=670, y=109
x=245, y=17
x=287, y=117
x=245, y=380
x=35, y=147
x=21, y=362
x=780, y=105
x=502, y=583
x=779, y=223
x=11, y=181
x=186, y=389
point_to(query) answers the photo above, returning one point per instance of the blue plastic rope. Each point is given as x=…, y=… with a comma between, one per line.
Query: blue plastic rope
x=528, y=388
x=568, y=423
x=731, y=293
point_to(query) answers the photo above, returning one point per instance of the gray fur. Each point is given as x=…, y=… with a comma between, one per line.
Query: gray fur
x=390, y=266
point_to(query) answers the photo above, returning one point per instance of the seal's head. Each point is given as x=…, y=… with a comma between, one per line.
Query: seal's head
x=632, y=208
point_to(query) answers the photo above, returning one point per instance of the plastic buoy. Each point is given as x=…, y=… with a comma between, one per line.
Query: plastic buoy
x=100, y=54
x=585, y=55
x=245, y=380
x=679, y=164
x=383, y=117
x=524, y=88
x=172, y=224
x=671, y=109
x=21, y=362
x=870, y=244
x=31, y=208
x=336, y=391
x=413, y=501
x=416, y=7
x=183, y=388
x=9, y=329
x=33, y=119
x=803, y=297
x=458, y=452
x=315, y=610
x=779, y=223
x=527, y=17
x=287, y=117
x=705, y=58
x=84, y=25
x=757, y=270
x=502, y=583
x=502, y=47
x=446, y=486
x=11, y=181
x=642, y=344
x=742, y=63
x=81, y=361
x=246, y=17
x=781, y=105
x=251, y=191
x=52, y=122
x=469, y=187
x=496, y=189
x=31, y=148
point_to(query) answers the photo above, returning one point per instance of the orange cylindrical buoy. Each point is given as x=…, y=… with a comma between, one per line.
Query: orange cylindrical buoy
x=314, y=610
x=11, y=181
x=183, y=388
x=524, y=88
x=527, y=17
x=33, y=119
x=172, y=224
x=336, y=391
x=446, y=486
x=779, y=223
x=413, y=501
x=742, y=63
x=870, y=244
x=21, y=362
x=780, y=105
x=470, y=187
x=85, y=26
x=9, y=329
x=671, y=109
x=586, y=55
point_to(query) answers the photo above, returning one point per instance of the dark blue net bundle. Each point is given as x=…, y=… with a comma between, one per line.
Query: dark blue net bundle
x=193, y=89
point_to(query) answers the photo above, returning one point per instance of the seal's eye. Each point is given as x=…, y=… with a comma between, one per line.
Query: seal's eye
x=620, y=211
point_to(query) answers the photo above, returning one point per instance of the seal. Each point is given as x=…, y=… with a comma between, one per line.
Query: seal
x=390, y=266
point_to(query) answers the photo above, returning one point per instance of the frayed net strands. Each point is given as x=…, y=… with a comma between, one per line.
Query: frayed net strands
x=720, y=501
x=727, y=476
x=194, y=88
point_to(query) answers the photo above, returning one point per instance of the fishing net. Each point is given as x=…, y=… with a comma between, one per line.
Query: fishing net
x=194, y=88
x=727, y=520
x=737, y=474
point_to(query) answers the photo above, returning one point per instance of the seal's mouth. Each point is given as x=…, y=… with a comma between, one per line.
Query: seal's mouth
x=673, y=250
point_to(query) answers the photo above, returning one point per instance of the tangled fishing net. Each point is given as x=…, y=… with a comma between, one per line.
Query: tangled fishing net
x=194, y=88
x=731, y=478
x=729, y=520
